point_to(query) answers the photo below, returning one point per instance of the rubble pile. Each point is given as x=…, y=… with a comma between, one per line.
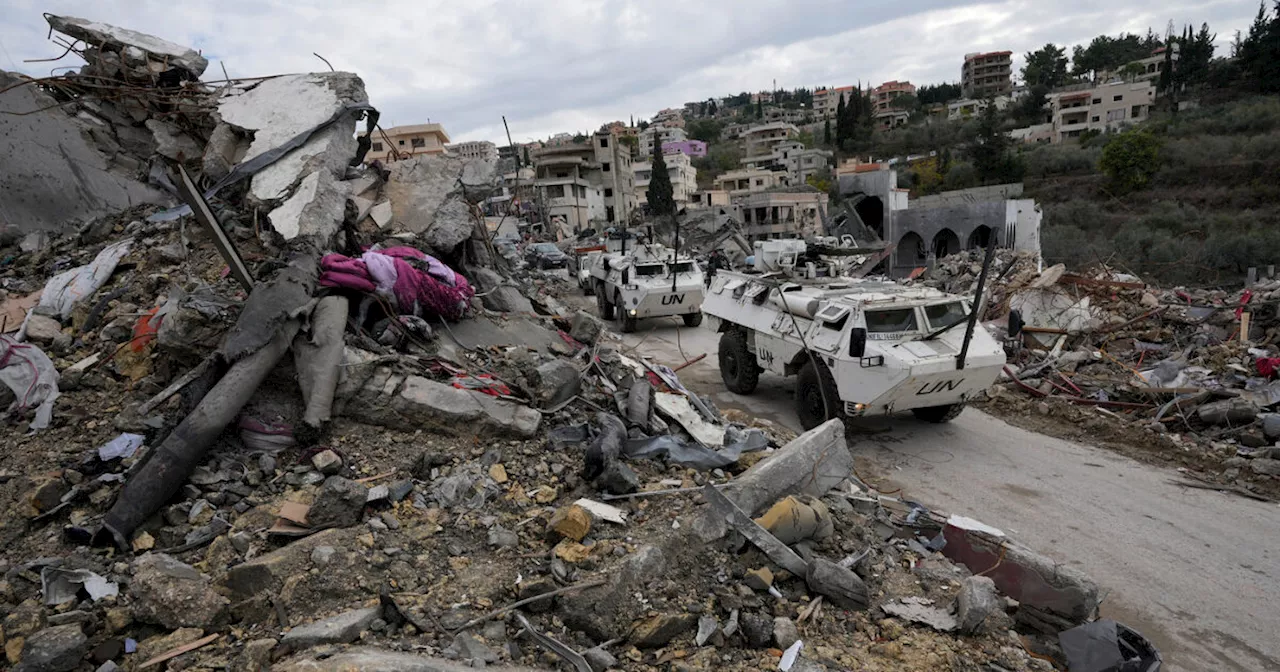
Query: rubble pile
x=302, y=417
x=1180, y=374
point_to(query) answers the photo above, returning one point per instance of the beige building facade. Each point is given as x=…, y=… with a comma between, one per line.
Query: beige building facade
x=684, y=178
x=987, y=74
x=475, y=149
x=402, y=142
x=825, y=101
x=1104, y=108
x=781, y=214
x=746, y=181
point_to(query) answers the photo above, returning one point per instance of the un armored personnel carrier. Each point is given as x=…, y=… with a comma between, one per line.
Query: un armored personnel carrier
x=858, y=347
x=646, y=280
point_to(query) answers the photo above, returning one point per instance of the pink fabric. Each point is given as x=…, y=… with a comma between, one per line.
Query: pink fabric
x=420, y=283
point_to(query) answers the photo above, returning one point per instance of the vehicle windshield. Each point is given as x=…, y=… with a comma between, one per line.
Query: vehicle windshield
x=897, y=319
x=683, y=267
x=650, y=270
x=945, y=314
x=545, y=247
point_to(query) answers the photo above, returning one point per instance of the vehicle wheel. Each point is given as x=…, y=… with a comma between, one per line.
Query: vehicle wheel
x=628, y=321
x=542, y=264
x=692, y=319
x=603, y=305
x=587, y=288
x=816, y=398
x=939, y=414
x=738, y=367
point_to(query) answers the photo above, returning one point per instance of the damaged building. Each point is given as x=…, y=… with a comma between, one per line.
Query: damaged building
x=930, y=228
x=270, y=404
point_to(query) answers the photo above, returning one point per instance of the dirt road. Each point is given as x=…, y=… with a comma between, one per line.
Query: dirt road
x=1196, y=571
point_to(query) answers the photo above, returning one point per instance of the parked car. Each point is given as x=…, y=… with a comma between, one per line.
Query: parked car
x=545, y=255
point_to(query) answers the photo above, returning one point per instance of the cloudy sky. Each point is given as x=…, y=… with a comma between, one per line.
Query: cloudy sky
x=570, y=65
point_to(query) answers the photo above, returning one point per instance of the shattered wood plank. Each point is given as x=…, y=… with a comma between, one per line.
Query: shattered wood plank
x=776, y=550
x=178, y=651
x=174, y=387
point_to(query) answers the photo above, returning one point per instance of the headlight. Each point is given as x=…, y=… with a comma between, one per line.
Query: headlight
x=633, y=312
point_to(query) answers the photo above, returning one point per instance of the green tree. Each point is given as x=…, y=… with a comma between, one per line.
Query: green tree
x=1130, y=159
x=991, y=152
x=1031, y=109
x=527, y=162
x=826, y=132
x=805, y=138
x=706, y=130
x=1108, y=53
x=841, y=131
x=711, y=107
x=1046, y=66
x=643, y=124
x=905, y=101
x=1260, y=51
x=759, y=108
x=661, y=199
x=933, y=94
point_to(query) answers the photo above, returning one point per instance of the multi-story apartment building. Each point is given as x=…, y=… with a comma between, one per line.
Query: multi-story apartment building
x=475, y=149
x=1107, y=107
x=402, y=142
x=882, y=96
x=669, y=117
x=825, y=101
x=781, y=214
x=661, y=135
x=585, y=184
x=792, y=157
x=748, y=180
x=687, y=147
x=760, y=140
x=684, y=178
x=986, y=74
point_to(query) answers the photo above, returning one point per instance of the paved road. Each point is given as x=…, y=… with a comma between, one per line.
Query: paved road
x=1196, y=571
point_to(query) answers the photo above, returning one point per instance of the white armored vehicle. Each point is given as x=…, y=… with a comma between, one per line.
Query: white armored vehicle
x=646, y=280
x=859, y=347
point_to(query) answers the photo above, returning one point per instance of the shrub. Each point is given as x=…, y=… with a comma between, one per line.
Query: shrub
x=1130, y=159
x=1065, y=159
x=961, y=176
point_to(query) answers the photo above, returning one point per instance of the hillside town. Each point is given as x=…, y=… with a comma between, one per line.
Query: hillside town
x=976, y=375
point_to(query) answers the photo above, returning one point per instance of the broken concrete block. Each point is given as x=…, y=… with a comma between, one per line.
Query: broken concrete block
x=759, y=579
x=1263, y=465
x=570, y=522
x=275, y=110
x=255, y=657
x=452, y=224
x=327, y=462
x=137, y=49
x=56, y=649
x=785, y=632
x=341, y=629
x=338, y=504
x=599, y=659
x=840, y=585
x=469, y=648
x=316, y=208
x=757, y=629
x=585, y=328
x=812, y=464
x=412, y=402
x=558, y=380
x=381, y=214
x=607, y=612
x=499, y=294
x=42, y=329
x=172, y=143
x=1236, y=411
x=224, y=149
x=658, y=630
x=975, y=603
x=266, y=573
x=418, y=186
x=173, y=594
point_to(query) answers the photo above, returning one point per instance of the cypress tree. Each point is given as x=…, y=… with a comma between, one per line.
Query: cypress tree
x=661, y=196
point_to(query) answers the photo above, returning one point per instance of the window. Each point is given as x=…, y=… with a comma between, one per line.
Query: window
x=608, y=193
x=401, y=142
x=1136, y=111
x=1095, y=119
x=1097, y=101
x=888, y=321
x=555, y=191
x=418, y=143
x=759, y=182
x=608, y=213
x=605, y=167
x=1116, y=99
x=649, y=270
x=1116, y=115
x=604, y=142
x=945, y=315
x=377, y=146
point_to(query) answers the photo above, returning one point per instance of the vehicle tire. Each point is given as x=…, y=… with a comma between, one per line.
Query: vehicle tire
x=738, y=367
x=817, y=400
x=542, y=264
x=603, y=305
x=692, y=319
x=939, y=414
x=628, y=322
x=587, y=288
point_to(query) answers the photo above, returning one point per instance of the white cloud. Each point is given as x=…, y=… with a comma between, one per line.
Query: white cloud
x=570, y=66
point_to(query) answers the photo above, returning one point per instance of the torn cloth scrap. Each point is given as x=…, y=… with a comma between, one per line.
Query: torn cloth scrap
x=413, y=281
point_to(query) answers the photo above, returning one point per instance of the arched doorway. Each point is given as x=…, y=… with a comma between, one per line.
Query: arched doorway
x=911, y=250
x=945, y=243
x=871, y=211
x=980, y=237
